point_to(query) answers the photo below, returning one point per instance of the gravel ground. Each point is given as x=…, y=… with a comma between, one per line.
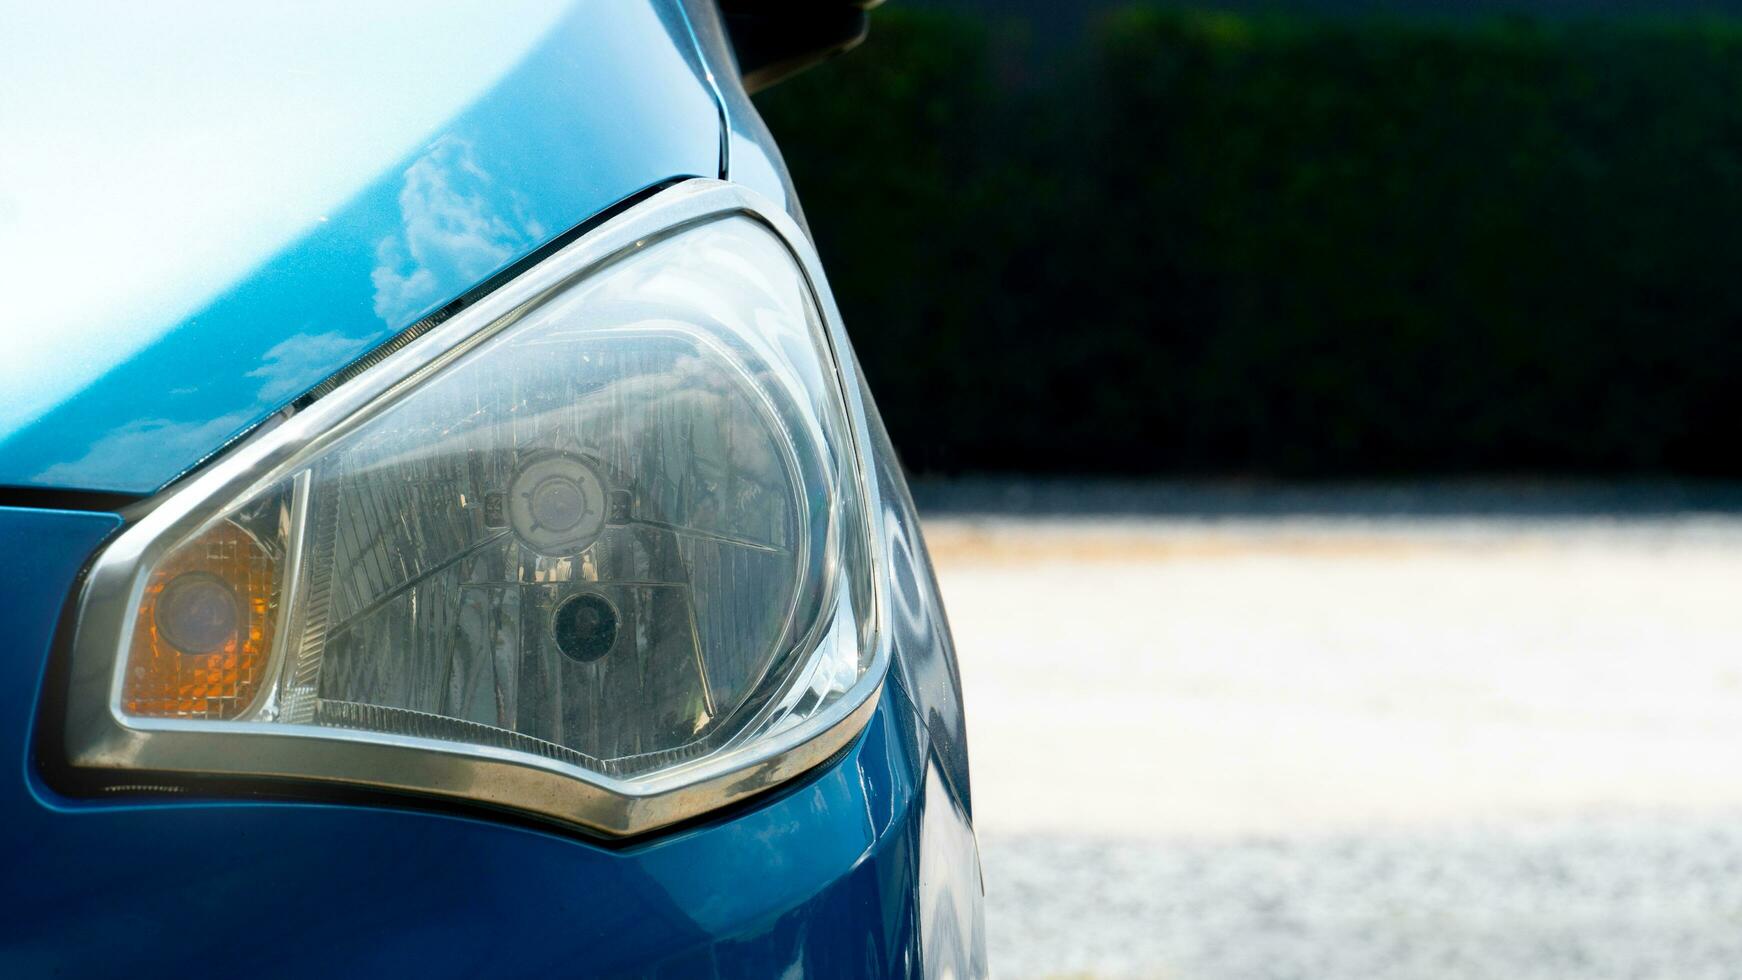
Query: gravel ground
x=1580, y=898
x=1334, y=744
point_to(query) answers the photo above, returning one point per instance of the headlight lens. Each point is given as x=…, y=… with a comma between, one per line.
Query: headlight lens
x=617, y=534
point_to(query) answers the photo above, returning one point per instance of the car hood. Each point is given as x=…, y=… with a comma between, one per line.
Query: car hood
x=204, y=214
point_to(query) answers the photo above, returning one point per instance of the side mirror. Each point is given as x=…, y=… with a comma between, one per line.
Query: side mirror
x=774, y=39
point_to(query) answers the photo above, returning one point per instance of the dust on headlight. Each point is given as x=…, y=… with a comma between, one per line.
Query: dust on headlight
x=622, y=532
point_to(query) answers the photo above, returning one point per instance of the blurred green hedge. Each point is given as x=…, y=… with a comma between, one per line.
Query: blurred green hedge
x=1198, y=243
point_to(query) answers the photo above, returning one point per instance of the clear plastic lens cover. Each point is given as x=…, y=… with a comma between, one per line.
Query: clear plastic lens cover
x=622, y=531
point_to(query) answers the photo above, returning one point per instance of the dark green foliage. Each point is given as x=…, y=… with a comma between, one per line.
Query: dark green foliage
x=1215, y=243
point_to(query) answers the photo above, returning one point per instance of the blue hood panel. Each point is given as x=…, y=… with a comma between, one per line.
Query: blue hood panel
x=302, y=192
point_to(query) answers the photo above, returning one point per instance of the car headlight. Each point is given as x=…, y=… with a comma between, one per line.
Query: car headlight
x=596, y=548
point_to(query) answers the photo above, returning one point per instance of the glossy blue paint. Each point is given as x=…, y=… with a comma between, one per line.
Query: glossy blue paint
x=866, y=867
x=610, y=100
x=843, y=873
x=926, y=670
x=44, y=551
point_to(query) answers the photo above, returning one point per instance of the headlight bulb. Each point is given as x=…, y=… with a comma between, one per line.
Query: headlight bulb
x=556, y=504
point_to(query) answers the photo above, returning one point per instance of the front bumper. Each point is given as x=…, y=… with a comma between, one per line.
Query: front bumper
x=867, y=866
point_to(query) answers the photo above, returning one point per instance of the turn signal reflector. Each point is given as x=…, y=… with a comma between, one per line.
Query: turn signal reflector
x=204, y=634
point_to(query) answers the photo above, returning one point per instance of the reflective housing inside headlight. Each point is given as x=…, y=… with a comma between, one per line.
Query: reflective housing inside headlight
x=618, y=532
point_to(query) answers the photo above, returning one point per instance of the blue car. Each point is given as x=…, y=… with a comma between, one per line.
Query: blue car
x=447, y=532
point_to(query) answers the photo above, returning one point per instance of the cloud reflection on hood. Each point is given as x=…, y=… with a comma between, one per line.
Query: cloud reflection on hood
x=453, y=231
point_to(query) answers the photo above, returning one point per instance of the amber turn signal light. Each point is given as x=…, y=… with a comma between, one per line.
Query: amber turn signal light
x=203, y=637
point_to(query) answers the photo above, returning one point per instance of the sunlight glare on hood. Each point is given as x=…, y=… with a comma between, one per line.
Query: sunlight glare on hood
x=155, y=153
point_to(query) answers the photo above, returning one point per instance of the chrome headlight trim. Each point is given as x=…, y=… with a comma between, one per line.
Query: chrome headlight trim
x=98, y=737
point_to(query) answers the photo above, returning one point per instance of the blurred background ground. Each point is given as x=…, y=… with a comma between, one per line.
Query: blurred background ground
x=1351, y=732
x=1361, y=731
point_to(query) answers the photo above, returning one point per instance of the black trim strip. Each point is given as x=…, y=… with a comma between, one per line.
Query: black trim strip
x=55, y=498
